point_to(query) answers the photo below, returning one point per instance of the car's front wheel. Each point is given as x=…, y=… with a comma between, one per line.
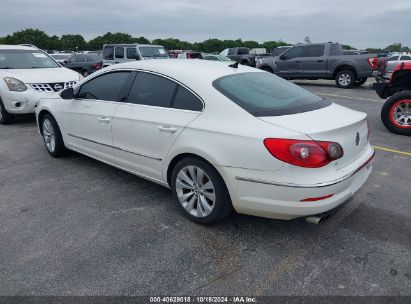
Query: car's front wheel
x=200, y=191
x=52, y=136
x=5, y=117
x=396, y=113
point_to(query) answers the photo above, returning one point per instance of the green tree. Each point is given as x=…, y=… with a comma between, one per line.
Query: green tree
x=395, y=47
x=73, y=42
x=30, y=36
x=98, y=42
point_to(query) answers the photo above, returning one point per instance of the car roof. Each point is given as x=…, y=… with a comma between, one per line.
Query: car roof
x=130, y=44
x=17, y=47
x=193, y=73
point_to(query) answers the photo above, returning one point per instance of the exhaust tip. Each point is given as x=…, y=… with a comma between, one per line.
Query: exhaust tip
x=317, y=219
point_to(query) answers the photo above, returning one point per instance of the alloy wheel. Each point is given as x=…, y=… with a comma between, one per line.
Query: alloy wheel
x=344, y=79
x=48, y=135
x=401, y=114
x=195, y=191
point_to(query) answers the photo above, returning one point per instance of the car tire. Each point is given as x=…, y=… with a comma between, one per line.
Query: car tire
x=244, y=62
x=5, y=117
x=345, y=79
x=85, y=73
x=360, y=81
x=53, y=140
x=396, y=113
x=200, y=191
x=267, y=69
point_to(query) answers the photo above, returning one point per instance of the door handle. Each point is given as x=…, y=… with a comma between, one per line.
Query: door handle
x=104, y=119
x=167, y=129
x=298, y=61
x=320, y=60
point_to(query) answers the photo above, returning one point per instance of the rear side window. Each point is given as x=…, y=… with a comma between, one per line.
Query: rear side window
x=393, y=58
x=104, y=87
x=405, y=57
x=315, y=51
x=186, y=100
x=152, y=90
x=335, y=49
x=264, y=94
x=108, y=52
x=119, y=52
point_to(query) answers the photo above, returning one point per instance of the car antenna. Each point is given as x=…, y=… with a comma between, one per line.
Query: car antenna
x=234, y=65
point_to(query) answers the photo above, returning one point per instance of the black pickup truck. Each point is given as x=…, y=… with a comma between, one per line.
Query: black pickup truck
x=324, y=61
x=240, y=54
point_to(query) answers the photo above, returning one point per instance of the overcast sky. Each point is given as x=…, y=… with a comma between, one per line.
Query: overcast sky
x=360, y=23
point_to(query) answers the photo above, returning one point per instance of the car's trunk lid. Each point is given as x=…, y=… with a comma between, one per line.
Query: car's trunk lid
x=333, y=123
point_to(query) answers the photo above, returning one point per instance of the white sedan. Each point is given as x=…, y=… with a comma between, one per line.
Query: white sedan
x=222, y=137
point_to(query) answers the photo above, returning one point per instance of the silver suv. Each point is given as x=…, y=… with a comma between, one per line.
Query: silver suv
x=119, y=53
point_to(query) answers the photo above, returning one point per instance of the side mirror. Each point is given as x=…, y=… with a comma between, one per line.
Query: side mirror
x=282, y=57
x=65, y=61
x=67, y=93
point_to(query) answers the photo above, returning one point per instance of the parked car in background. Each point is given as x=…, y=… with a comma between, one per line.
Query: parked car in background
x=258, y=51
x=240, y=54
x=190, y=55
x=324, y=61
x=275, y=53
x=61, y=58
x=174, y=53
x=282, y=152
x=393, y=61
x=214, y=57
x=26, y=75
x=85, y=64
x=119, y=53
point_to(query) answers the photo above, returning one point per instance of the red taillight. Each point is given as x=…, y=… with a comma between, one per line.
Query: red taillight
x=314, y=199
x=98, y=65
x=304, y=153
x=373, y=62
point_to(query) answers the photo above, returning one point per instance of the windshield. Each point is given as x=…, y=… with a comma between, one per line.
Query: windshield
x=153, y=52
x=279, y=51
x=25, y=59
x=264, y=94
x=60, y=56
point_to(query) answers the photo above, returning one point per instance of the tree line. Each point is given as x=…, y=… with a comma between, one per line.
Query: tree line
x=76, y=42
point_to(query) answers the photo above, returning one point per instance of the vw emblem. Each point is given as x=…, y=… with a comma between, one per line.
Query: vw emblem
x=357, y=139
x=58, y=87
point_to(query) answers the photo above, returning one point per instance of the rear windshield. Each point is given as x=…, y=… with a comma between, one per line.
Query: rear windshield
x=264, y=94
x=153, y=52
x=25, y=59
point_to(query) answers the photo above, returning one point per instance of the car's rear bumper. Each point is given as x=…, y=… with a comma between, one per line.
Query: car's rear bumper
x=270, y=199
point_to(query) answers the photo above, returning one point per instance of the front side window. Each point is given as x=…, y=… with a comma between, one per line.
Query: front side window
x=186, y=100
x=405, y=57
x=295, y=52
x=152, y=90
x=26, y=59
x=108, y=52
x=264, y=94
x=119, y=52
x=105, y=87
x=132, y=53
x=231, y=52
